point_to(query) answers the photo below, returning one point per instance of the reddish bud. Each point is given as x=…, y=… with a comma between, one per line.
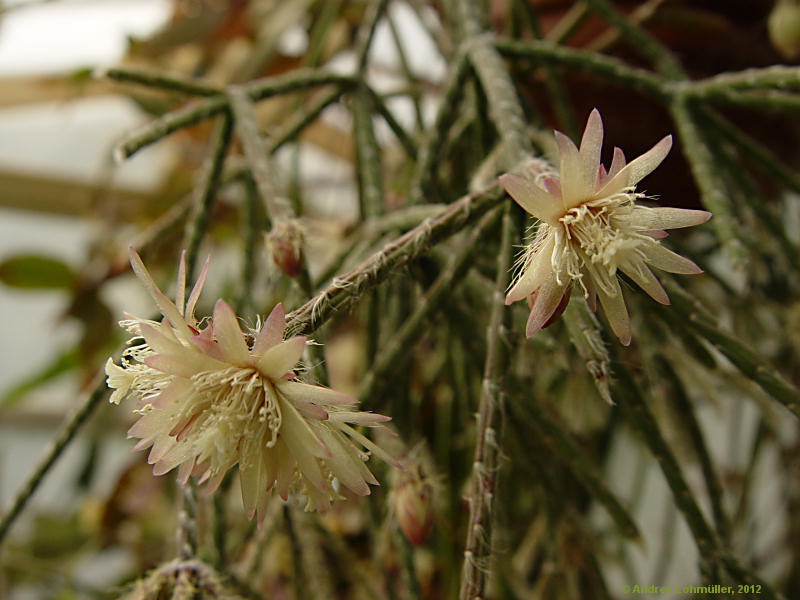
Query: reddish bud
x=285, y=244
x=412, y=502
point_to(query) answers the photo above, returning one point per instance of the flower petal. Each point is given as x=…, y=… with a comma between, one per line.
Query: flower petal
x=531, y=197
x=271, y=331
x=345, y=464
x=282, y=357
x=591, y=146
x=155, y=338
x=644, y=278
x=229, y=336
x=637, y=169
x=534, y=273
x=167, y=308
x=576, y=186
x=667, y=260
x=294, y=426
x=304, y=446
x=545, y=302
x=180, y=284
x=616, y=312
x=184, y=364
x=371, y=446
x=617, y=163
x=296, y=391
x=194, y=296
x=667, y=217
x=355, y=416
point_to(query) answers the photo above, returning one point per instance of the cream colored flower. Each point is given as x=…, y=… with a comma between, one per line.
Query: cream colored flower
x=591, y=226
x=212, y=397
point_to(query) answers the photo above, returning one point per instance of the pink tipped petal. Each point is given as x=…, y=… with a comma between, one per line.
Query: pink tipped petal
x=545, y=302
x=167, y=308
x=552, y=186
x=276, y=361
x=617, y=163
x=296, y=391
x=562, y=306
x=617, y=313
x=531, y=197
x=180, y=284
x=533, y=274
x=638, y=169
x=294, y=426
x=362, y=418
x=194, y=296
x=156, y=339
x=250, y=483
x=305, y=450
x=602, y=176
x=347, y=466
x=666, y=260
x=668, y=218
x=213, y=484
x=644, y=278
x=576, y=185
x=372, y=447
x=207, y=346
x=229, y=335
x=184, y=364
x=271, y=331
x=656, y=234
x=591, y=145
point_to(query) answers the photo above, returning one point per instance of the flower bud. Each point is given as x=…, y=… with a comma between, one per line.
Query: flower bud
x=285, y=244
x=412, y=502
x=783, y=26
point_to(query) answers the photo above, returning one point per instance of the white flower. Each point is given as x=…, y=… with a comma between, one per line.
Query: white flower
x=211, y=397
x=591, y=227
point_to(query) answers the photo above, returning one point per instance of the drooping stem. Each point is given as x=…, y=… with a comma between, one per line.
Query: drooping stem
x=53, y=453
x=206, y=191
x=483, y=482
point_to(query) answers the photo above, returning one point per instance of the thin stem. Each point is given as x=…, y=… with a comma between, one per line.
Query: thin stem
x=256, y=154
x=644, y=423
x=161, y=81
x=504, y=107
x=709, y=546
x=298, y=123
x=186, y=533
x=483, y=482
x=569, y=23
x=430, y=150
x=374, y=12
x=754, y=151
x=611, y=69
x=585, y=335
x=414, y=92
x=347, y=289
x=663, y=59
x=706, y=174
x=368, y=161
x=395, y=352
x=380, y=106
x=776, y=76
x=534, y=417
x=206, y=191
x=258, y=89
x=740, y=354
x=51, y=455
x=685, y=412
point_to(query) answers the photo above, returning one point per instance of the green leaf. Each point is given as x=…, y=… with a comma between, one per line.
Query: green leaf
x=64, y=362
x=33, y=272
